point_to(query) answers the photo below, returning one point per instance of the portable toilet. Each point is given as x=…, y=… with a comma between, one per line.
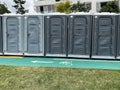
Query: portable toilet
x=118, y=38
x=1, y=37
x=33, y=35
x=55, y=34
x=12, y=34
x=104, y=36
x=79, y=35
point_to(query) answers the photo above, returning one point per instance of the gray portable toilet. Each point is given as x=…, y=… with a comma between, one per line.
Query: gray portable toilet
x=118, y=38
x=79, y=35
x=55, y=34
x=104, y=36
x=1, y=37
x=34, y=35
x=12, y=34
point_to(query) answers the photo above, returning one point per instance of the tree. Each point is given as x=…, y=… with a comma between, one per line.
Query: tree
x=67, y=6
x=63, y=7
x=73, y=8
x=3, y=9
x=79, y=7
x=111, y=6
x=19, y=6
x=60, y=7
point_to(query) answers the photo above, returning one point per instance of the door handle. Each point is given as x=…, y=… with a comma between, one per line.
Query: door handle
x=28, y=34
x=8, y=35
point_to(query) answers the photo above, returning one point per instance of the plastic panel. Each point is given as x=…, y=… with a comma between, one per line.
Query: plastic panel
x=12, y=33
x=104, y=36
x=79, y=36
x=34, y=34
x=1, y=37
x=55, y=35
x=118, y=38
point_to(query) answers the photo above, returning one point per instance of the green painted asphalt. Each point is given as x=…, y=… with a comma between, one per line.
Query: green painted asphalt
x=61, y=62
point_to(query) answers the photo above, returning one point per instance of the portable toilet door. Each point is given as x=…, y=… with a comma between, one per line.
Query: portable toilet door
x=104, y=36
x=79, y=35
x=34, y=35
x=55, y=35
x=1, y=37
x=12, y=35
x=118, y=38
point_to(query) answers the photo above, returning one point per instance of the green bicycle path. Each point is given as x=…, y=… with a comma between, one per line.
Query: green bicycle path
x=61, y=62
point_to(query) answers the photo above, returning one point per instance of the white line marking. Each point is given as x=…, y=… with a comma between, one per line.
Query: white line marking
x=66, y=63
x=44, y=62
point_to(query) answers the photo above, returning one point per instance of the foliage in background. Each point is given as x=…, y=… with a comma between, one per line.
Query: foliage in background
x=3, y=9
x=111, y=6
x=60, y=7
x=63, y=7
x=79, y=7
x=67, y=7
x=19, y=6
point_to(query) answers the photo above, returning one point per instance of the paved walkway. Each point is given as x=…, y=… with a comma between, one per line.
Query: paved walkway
x=61, y=62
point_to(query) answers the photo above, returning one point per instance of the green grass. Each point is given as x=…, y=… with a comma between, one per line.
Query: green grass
x=37, y=78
